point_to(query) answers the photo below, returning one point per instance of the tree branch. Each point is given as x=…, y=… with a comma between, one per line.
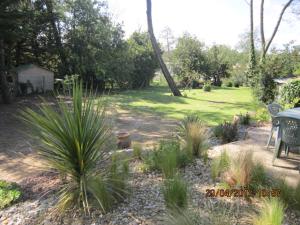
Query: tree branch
x=277, y=25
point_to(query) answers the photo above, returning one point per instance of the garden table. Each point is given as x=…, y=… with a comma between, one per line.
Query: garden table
x=292, y=114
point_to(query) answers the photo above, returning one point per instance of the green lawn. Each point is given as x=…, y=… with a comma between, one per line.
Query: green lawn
x=216, y=106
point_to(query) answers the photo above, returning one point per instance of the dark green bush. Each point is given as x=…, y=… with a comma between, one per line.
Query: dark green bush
x=244, y=119
x=9, y=193
x=228, y=84
x=226, y=131
x=207, y=87
x=290, y=92
x=236, y=84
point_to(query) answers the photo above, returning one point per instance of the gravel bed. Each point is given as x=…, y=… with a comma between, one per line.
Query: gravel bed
x=145, y=205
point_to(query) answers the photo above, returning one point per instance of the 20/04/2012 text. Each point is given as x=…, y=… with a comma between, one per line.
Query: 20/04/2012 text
x=242, y=193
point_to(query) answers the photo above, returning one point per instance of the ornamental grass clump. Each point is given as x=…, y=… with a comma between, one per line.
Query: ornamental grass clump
x=194, y=135
x=219, y=165
x=167, y=158
x=175, y=193
x=240, y=171
x=271, y=213
x=75, y=138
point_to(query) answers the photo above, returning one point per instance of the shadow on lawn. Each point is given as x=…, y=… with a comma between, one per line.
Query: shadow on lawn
x=212, y=118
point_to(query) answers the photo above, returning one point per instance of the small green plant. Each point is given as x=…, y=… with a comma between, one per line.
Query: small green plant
x=9, y=193
x=271, y=213
x=226, y=131
x=175, y=193
x=207, y=87
x=220, y=164
x=137, y=150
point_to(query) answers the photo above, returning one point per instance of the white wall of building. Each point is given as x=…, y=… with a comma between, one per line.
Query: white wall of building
x=40, y=78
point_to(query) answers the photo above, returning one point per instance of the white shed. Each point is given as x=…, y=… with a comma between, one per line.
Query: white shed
x=40, y=79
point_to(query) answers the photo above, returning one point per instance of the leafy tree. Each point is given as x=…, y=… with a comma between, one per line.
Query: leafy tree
x=144, y=60
x=189, y=59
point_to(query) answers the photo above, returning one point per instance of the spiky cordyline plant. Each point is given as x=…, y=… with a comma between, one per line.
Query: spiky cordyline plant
x=74, y=139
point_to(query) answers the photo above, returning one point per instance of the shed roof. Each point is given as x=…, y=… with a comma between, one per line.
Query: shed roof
x=29, y=66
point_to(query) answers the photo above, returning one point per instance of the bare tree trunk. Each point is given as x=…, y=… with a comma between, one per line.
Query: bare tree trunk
x=262, y=30
x=157, y=51
x=265, y=47
x=6, y=95
x=252, y=56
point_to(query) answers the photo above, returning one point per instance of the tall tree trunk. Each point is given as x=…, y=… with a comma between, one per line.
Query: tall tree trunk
x=6, y=95
x=57, y=37
x=262, y=31
x=266, y=46
x=157, y=51
x=252, y=55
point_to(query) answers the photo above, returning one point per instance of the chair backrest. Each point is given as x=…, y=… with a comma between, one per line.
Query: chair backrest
x=274, y=108
x=290, y=131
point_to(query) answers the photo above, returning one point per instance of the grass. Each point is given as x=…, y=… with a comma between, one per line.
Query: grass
x=220, y=164
x=222, y=103
x=9, y=193
x=167, y=158
x=175, y=193
x=272, y=213
x=137, y=150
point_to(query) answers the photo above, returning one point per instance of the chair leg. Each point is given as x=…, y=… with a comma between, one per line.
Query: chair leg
x=270, y=137
x=277, y=151
x=287, y=150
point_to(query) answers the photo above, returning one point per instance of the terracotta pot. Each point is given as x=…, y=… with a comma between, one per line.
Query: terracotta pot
x=124, y=140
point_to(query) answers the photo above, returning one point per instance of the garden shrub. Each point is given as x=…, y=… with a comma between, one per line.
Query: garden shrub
x=219, y=165
x=175, y=193
x=226, y=131
x=9, y=193
x=272, y=212
x=75, y=140
x=195, y=136
x=290, y=92
x=207, y=87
